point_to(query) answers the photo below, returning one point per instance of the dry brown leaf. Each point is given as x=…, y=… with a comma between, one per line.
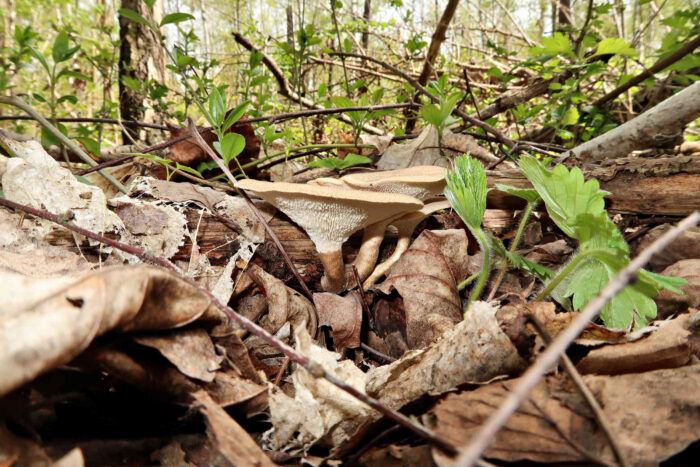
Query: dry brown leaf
x=190, y=350
x=671, y=346
x=159, y=377
x=319, y=410
x=423, y=150
x=283, y=304
x=232, y=441
x=425, y=281
x=653, y=416
x=343, y=315
x=686, y=246
x=474, y=350
x=52, y=321
x=542, y=430
x=669, y=302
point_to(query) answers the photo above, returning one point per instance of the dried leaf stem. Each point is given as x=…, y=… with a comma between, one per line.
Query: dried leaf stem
x=483, y=438
x=313, y=367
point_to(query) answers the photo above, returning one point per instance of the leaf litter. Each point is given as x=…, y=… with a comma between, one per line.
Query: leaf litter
x=70, y=308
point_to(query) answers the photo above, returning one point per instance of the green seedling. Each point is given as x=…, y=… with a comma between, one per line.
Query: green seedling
x=351, y=160
x=577, y=207
x=466, y=191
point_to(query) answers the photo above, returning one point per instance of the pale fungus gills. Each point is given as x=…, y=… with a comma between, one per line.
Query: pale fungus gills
x=329, y=215
x=422, y=182
x=405, y=225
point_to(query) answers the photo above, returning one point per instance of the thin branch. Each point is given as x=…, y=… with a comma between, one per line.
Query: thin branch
x=313, y=367
x=588, y=396
x=483, y=438
x=655, y=68
x=210, y=152
x=467, y=118
x=283, y=84
x=70, y=144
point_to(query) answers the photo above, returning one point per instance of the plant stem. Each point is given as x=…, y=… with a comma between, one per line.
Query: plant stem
x=19, y=103
x=485, y=265
x=514, y=246
x=565, y=271
x=468, y=281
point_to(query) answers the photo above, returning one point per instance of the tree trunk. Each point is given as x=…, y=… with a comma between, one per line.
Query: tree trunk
x=366, y=18
x=434, y=50
x=141, y=58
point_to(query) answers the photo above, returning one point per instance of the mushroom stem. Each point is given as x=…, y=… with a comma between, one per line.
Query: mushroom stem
x=372, y=238
x=333, y=279
x=382, y=268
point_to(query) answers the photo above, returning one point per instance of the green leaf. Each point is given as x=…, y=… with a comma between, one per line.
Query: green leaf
x=73, y=74
x=431, y=114
x=234, y=115
x=342, y=101
x=48, y=139
x=150, y=3
x=70, y=98
x=189, y=170
x=82, y=179
x=558, y=43
x=615, y=45
x=570, y=116
x=133, y=16
x=350, y=160
x=662, y=282
x=39, y=97
x=131, y=83
x=175, y=18
x=231, y=146
x=258, y=80
x=217, y=106
x=528, y=194
x=466, y=190
x=92, y=146
x=41, y=59
x=60, y=47
x=519, y=262
x=565, y=193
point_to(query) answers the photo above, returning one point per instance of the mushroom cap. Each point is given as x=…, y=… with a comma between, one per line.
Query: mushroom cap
x=422, y=182
x=328, y=214
x=328, y=181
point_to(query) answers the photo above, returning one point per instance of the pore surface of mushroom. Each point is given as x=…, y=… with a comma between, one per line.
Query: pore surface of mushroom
x=329, y=215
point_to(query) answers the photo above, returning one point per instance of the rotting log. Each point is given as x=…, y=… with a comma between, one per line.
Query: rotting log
x=666, y=186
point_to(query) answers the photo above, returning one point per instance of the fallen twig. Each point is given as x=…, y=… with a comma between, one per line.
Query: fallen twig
x=577, y=379
x=70, y=144
x=481, y=440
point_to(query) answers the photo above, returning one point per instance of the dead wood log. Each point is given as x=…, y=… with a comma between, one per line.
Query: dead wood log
x=661, y=186
x=644, y=131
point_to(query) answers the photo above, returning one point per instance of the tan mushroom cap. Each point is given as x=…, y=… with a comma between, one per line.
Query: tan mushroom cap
x=329, y=215
x=422, y=182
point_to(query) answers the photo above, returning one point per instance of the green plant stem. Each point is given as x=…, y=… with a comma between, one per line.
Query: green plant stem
x=565, y=271
x=521, y=226
x=485, y=265
x=305, y=148
x=514, y=246
x=468, y=281
x=19, y=103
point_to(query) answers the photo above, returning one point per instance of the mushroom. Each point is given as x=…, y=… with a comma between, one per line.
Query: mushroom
x=405, y=225
x=421, y=182
x=329, y=215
